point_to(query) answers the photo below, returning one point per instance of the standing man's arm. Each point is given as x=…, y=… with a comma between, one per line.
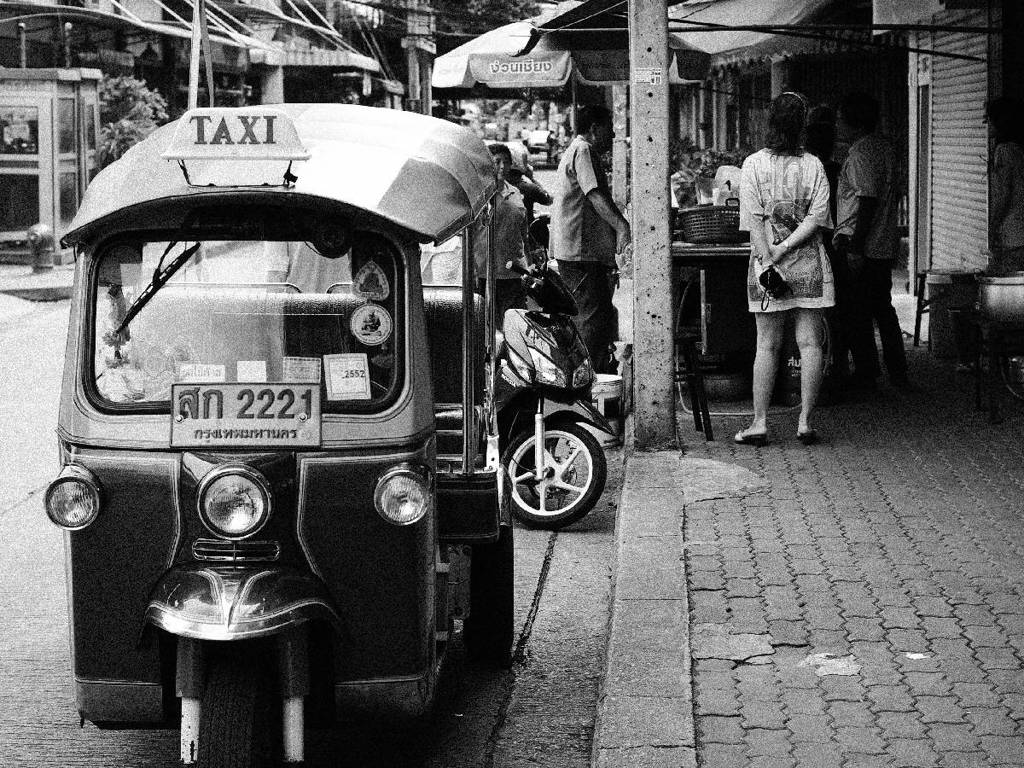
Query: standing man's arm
x=607, y=210
x=867, y=207
x=867, y=182
x=534, y=192
x=586, y=177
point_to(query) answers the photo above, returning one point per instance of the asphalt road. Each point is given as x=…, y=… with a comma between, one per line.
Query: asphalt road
x=539, y=713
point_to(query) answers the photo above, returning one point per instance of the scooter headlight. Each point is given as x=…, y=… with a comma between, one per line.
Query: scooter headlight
x=234, y=501
x=403, y=494
x=583, y=375
x=520, y=366
x=73, y=499
x=547, y=371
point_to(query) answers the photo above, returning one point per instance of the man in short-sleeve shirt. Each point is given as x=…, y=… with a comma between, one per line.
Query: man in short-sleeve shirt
x=587, y=230
x=866, y=236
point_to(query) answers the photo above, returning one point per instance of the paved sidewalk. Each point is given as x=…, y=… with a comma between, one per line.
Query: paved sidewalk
x=855, y=603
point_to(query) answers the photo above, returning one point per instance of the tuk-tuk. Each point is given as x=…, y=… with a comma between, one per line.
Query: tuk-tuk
x=281, y=485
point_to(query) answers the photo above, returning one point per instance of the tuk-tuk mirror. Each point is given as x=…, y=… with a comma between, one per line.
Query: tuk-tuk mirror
x=122, y=265
x=332, y=239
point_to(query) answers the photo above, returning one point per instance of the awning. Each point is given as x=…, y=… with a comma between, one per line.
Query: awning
x=707, y=14
x=260, y=51
x=312, y=57
x=525, y=55
x=691, y=22
x=121, y=22
x=904, y=11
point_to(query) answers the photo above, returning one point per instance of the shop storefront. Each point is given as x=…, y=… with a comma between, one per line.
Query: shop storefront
x=949, y=157
x=49, y=123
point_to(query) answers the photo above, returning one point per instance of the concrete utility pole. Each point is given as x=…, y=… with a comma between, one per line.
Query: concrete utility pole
x=420, y=50
x=620, y=149
x=653, y=365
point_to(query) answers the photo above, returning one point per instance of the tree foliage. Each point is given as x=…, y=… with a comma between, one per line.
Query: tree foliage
x=475, y=17
x=129, y=111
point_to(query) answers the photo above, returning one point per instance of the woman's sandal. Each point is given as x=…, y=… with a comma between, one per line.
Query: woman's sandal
x=751, y=438
x=810, y=437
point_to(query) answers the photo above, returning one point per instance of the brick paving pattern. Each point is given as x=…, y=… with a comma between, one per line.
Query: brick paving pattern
x=896, y=546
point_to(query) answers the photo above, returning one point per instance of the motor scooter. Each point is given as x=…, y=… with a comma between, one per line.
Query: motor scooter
x=558, y=468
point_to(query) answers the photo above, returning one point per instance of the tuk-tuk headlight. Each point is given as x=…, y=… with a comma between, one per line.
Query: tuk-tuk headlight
x=73, y=499
x=234, y=501
x=547, y=371
x=403, y=494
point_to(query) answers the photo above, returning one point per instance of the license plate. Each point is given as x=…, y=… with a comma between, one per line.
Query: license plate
x=245, y=415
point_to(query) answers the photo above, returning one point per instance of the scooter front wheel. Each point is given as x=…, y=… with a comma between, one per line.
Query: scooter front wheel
x=573, y=477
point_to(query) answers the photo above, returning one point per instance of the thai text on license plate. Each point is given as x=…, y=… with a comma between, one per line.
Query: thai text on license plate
x=245, y=415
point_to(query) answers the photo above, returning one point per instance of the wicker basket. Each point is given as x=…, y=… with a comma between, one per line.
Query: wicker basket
x=710, y=224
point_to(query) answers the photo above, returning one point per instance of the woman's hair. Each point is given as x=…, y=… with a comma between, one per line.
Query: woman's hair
x=786, y=119
x=1006, y=115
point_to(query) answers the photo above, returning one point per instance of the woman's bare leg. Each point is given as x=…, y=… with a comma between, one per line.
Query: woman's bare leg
x=770, y=326
x=810, y=332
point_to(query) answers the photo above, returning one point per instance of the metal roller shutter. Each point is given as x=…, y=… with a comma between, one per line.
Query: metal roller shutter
x=959, y=159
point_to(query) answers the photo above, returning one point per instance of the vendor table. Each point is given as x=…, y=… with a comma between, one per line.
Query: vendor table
x=719, y=273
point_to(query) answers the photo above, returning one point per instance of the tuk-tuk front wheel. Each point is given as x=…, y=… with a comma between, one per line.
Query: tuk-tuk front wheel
x=489, y=630
x=239, y=726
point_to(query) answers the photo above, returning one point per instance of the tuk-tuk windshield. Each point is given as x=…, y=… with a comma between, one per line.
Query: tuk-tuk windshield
x=250, y=311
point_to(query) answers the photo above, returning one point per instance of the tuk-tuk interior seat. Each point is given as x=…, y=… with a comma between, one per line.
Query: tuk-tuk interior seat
x=442, y=307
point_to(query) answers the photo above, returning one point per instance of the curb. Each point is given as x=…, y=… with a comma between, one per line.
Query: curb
x=43, y=293
x=645, y=707
x=52, y=285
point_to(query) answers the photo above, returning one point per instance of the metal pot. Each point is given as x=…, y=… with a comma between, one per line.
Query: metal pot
x=1002, y=298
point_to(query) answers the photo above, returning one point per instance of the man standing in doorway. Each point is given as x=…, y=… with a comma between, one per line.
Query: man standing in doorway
x=866, y=236
x=587, y=231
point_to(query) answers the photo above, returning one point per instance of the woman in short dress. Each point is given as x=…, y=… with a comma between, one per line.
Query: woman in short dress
x=784, y=199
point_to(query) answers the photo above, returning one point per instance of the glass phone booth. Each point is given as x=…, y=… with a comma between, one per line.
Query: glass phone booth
x=49, y=126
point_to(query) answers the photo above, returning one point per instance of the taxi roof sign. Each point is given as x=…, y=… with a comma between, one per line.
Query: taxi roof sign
x=236, y=133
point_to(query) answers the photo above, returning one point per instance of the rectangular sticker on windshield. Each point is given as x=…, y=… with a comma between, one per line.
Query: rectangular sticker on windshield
x=251, y=371
x=305, y=369
x=201, y=372
x=348, y=376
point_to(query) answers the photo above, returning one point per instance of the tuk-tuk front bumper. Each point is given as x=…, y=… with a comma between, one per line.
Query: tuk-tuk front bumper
x=236, y=603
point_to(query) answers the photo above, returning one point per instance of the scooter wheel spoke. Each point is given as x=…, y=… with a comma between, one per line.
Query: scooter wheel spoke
x=562, y=485
x=570, y=459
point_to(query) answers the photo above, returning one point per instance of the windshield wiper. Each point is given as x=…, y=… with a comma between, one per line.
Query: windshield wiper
x=160, y=276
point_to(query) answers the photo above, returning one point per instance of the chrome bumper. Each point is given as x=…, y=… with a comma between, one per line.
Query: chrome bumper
x=236, y=603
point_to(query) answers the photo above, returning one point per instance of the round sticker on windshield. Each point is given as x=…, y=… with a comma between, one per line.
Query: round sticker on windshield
x=371, y=283
x=371, y=325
